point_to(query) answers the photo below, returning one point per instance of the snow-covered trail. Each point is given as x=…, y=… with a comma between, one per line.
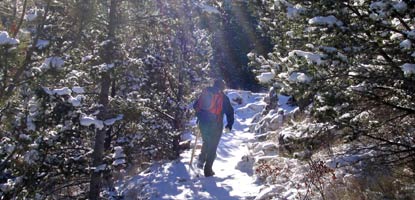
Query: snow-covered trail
x=234, y=176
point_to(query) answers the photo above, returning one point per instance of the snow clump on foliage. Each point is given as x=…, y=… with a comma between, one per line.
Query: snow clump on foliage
x=118, y=156
x=265, y=77
x=88, y=121
x=299, y=77
x=329, y=21
x=52, y=63
x=31, y=15
x=41, y=44
x=408, y=69
x=311, y=58
x=406, y=44
x=6, y=40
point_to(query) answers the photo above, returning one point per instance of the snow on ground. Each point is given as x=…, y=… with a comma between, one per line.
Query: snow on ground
x=234, y=177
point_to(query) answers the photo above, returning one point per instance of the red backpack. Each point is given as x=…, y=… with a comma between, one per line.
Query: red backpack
x=211, y=102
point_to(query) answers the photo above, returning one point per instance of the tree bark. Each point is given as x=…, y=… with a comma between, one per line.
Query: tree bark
x=20, y=20
x=97, y=155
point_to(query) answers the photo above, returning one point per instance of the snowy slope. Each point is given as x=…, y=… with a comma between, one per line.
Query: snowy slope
x=234, y=175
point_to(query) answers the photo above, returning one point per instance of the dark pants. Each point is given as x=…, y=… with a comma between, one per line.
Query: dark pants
x=211, y=133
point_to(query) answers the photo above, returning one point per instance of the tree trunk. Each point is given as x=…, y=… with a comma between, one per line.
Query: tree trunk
x=97, y=155
x=19, y=24
x=184, y=36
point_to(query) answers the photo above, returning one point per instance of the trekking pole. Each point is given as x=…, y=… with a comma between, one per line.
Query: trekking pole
x=194, y=146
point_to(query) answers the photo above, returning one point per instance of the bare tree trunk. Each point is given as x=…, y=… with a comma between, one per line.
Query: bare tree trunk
x=97, y=155
x=14, y=14
x=21, y=19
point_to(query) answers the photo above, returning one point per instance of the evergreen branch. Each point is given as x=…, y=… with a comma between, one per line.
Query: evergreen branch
x=5, y=161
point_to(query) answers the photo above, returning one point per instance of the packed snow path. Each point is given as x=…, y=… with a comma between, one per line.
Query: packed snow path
x=234, y=176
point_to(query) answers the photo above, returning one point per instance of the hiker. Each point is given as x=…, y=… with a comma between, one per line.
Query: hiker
x=210, y=107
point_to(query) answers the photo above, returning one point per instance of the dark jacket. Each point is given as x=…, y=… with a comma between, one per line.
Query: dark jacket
x=227, y=109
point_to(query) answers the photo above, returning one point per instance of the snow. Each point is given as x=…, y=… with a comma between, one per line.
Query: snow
x=361, y=87
x=361, y=117
x=31, y=15
x=99, y=124
x=6, y=40
x=294, y=11
x=76, y=101
x=265, y=77
x=234, y=178
x=396, y=36
x=118, y=156
x=7, y=186
x=105, y=42
x=311, y=46
x=358, y=2
x=311, y=58
x=400, y=7
x=62, y=91
x=52, y=62
x=88, y=121
x=329, y=49
x=408, y=69
x=328, y=20
x=411, y=34
x=406, y=44
x=105, y=67
x=119, y=162
x=24, y=137
x=65, y=91
x=77, y=89
x=86, y=58
x=299, y=77
x=118, y=152
x=41, y=44
x=209, y=9
x=9, y=148
x=100, y=168
x=110, y=122
x=344, y=161
x=378, y=5
x=29, y=123
x=290, y=34
x=31, y=156
x=342, y=57
x=269, y=192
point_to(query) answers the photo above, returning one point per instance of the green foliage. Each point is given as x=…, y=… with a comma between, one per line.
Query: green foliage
x=159, y=57
x=345, y=62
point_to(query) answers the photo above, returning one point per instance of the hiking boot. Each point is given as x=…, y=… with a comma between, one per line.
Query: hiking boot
x=209, y=172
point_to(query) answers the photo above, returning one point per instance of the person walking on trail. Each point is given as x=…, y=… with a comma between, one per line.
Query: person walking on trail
x=210, y=107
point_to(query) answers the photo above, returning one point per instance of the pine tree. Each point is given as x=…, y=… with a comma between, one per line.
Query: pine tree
x=352, y=62
x=78, y=79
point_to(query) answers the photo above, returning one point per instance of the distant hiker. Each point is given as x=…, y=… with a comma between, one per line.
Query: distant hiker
x=210, y=107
